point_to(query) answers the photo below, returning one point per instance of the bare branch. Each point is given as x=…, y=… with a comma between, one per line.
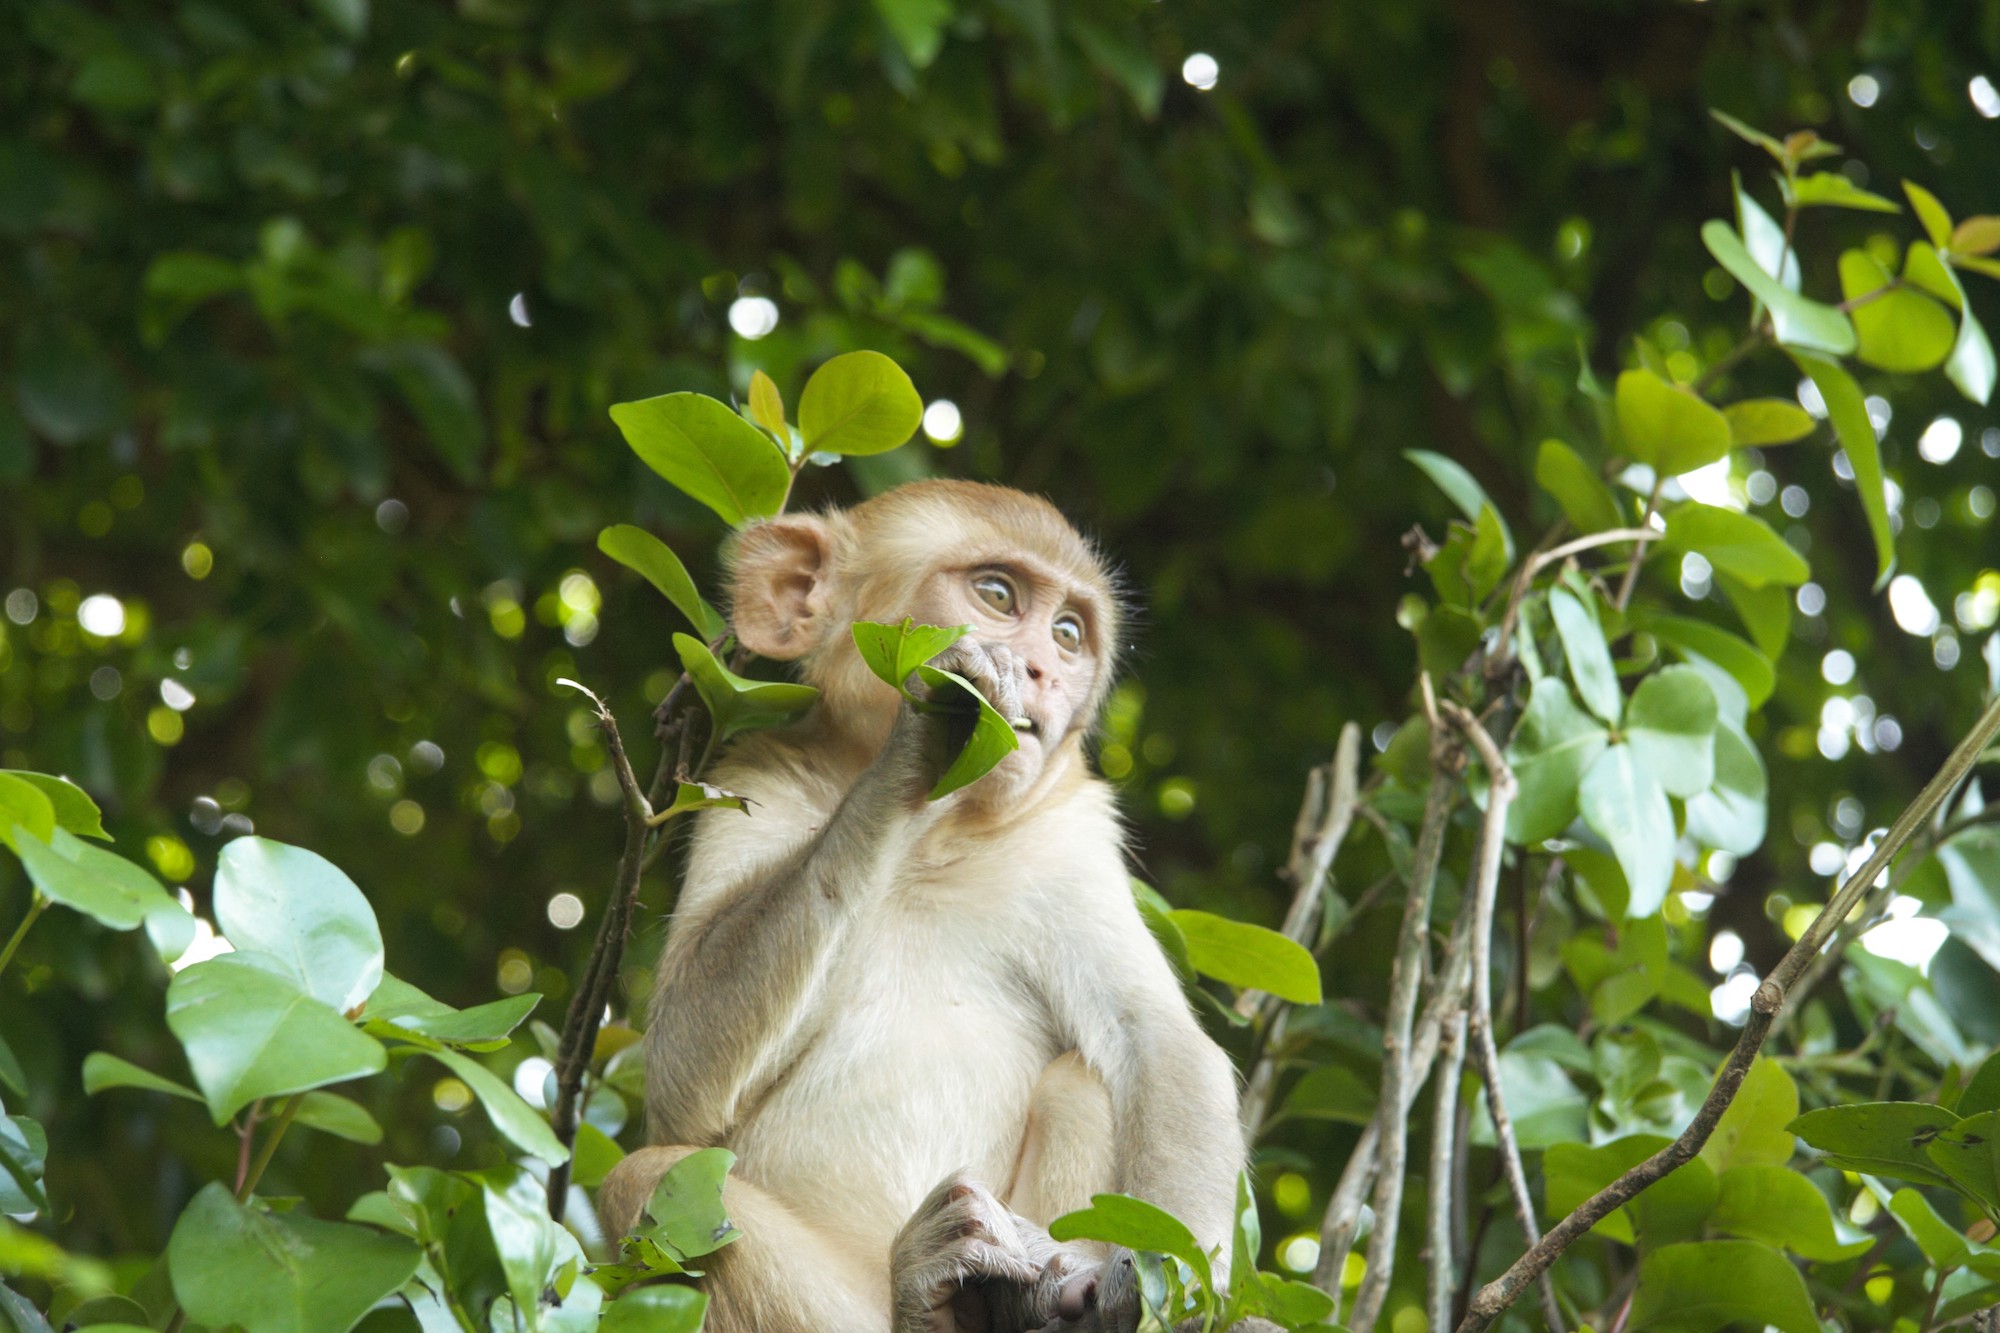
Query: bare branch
x=593, y=991
x=1398, y=1085
x=1769, y=999
x=1342, y=1218
x=1444, y=1124
x=1325, y=816
x=1501, y=790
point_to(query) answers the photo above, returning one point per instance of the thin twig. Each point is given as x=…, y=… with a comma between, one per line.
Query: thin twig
x=1398, y=1085
x=35, y=906
x=593, y=992
x=1501, y=790
x=1639, y=550
x=1444, y=1121
x=1325, y=816
x=1530, y=568
x=1765, y=1004
x=278, y=1128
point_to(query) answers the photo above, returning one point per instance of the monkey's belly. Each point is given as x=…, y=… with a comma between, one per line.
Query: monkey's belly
x=894, y=1093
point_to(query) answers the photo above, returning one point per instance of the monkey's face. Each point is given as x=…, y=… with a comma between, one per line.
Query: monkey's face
x=1041, y=608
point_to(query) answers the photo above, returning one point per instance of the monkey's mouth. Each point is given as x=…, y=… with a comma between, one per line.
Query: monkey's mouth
x=1027, y=726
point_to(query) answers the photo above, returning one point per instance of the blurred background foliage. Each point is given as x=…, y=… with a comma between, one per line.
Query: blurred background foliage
x=310, y=315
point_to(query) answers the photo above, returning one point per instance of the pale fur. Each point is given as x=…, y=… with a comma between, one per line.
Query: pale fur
x=863, y=995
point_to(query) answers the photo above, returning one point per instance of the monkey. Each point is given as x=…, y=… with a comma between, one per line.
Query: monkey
x=925, y=1028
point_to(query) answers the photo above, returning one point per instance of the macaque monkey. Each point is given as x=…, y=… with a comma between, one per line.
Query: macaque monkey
x=926, y=1029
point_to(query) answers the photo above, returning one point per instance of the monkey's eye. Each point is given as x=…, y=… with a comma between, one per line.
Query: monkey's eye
x=1068, y=631
x=996, y=592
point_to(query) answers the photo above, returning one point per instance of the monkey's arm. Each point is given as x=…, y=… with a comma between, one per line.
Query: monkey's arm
x=1178, y=1138
x=753, y=934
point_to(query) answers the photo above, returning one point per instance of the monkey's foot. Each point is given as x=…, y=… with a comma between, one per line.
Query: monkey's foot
x=960, y=1240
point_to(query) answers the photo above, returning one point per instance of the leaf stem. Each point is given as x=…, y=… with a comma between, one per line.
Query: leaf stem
x=35, y=906
x=1639, y=548
x=283, y=1123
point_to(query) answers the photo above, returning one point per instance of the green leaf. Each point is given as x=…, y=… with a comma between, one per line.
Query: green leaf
x=1585, y=500
x=664, y=1307
x=1589, y=656
x=1797, y=321
x=1902, y=330
x=1849, y=412
x=1670, y=725
x=397, y=1007
x=737, y=704
x=12, y=1076
x=24, y=1151
x=1697, y=638
x=1666, y=427
x=1462, y=490
x=918, y=27
x=74, y=810
x=1249, y=957
x=297, y=907
x=1119, y=1219
x=1778, y=1206
x=1543, y=1103
x=688, y=1212
x=1624, y=804
x=1766, y=612
x=1834, y=190
x=1942, y=1243
x=249, y=1032
x=101, y=1071
x=859, y=403
x=692, y=796
x=1971, y=364
x=1748, y=134
x=1737, y=544
x=100, y=884
x=530, y=1245
x=1732, y=815
x=767, y=408
x=515, y=1119
x=23, y=805
x=1331, y=1092
x=1937, y=222
x=280, y=1272
x=342, y=1117
x=894, y=652
x=709, y=452
x=1879, y=1138
x=1553, y=745
x=1670, y=1210
x=593, y=1155
x=992, y=738
x=1968, y=1153
x=1701, y=1286
x=1757, y=1128
x=1766, y=421
x=643, y=553
x=1982, y=1091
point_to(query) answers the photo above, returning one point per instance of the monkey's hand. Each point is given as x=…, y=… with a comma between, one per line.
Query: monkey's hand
x=927, y=740
x=1103, y=1298
x=960, y=1242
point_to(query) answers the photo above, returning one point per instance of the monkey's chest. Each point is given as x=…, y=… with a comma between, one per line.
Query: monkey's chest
x=922, y=1057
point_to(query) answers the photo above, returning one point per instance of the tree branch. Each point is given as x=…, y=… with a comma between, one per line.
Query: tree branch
x=1501, y=790
x=1450, y=1070
x=593, y=992
x=1398, y=1085
x=1765, y=1005
x=1325, y=816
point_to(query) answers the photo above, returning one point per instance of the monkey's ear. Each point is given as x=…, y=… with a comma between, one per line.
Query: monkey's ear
x=778, y=593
